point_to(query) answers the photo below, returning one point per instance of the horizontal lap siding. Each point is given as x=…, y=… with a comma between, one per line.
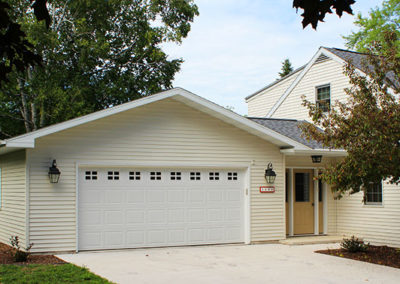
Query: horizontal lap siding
x=163, y=132
x=326, y=72
x=12, y=212
x=260, y=104
x=376, y=224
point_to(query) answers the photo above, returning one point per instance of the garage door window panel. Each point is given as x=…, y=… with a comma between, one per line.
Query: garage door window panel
x=113, y=175
x=134, y=175
x=90, y=175
x=214, y=176
x=232, y=176
x=176, y=176
x=195, y=175
x=155, y=175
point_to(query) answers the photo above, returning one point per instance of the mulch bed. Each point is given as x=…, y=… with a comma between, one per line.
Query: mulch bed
x=383, y=255
x=6, y=257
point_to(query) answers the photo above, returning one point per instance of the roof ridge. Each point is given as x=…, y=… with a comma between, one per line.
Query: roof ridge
x=347, y=50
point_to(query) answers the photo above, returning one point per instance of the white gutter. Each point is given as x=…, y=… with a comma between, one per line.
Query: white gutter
x=323, y=152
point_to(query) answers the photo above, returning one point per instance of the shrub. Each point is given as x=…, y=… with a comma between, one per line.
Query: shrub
x=354, y=245
x=19, y=255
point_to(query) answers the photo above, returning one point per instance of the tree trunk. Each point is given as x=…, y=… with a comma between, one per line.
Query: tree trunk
x=24, y=110
x=33, y=114
x=42, y=116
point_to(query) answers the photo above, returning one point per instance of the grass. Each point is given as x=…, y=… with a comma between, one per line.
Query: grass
x=47, y=273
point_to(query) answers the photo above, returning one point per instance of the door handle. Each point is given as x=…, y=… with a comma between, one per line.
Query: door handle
x=312, y=204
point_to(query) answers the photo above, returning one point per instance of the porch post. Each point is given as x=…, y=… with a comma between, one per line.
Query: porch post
x=325, y=207
x=316, y=203
x=290, y=200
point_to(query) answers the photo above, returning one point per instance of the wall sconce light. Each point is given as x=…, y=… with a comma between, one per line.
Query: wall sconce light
x=316, y=159
x=270, y=175
x=54, y=173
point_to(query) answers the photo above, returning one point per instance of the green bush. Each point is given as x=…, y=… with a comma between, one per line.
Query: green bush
x=354, y=245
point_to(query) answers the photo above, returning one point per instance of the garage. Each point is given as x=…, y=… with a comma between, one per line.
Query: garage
x=150, y=207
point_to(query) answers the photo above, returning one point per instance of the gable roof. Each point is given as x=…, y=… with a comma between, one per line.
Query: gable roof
x=28, y=140
x=338, y=55
x=289, y=128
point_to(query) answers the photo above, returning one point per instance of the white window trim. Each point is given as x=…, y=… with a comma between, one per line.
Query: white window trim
x=374, y=204
x=330, y=93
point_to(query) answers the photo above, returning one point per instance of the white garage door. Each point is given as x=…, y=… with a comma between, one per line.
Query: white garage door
x=129, y=208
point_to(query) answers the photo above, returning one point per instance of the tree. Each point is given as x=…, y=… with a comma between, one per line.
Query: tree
x=15, y=49
x=96, y=54
x=286, y=68
x=315, y=10
x=370, y=28
x=367, y=126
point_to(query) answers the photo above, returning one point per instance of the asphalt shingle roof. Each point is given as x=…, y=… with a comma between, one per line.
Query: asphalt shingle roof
x=360, y=61
x=289, y=128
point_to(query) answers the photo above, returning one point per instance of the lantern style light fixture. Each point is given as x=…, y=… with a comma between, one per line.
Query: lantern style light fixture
x=270, y=175
x=316, y=158
x=54, y=173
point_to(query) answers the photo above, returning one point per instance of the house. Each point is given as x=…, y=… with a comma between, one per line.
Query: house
x=175, y=169
x=322, y=81
x=166, y=170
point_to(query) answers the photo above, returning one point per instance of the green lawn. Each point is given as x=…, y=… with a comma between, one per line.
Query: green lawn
x=46, y=273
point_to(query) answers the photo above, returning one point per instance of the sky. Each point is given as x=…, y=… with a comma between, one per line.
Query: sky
x=236, y=47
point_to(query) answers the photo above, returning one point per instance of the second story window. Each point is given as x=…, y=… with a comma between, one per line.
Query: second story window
x=323, y=100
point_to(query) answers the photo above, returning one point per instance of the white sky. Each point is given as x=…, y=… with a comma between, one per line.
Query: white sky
x=236, y=47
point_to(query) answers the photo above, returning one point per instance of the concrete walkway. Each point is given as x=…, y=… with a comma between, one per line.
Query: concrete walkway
x=267, y=263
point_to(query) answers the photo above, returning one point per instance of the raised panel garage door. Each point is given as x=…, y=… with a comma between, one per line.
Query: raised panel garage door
x=130, y=208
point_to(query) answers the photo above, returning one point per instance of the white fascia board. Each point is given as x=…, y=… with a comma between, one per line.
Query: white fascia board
x=323, y=152
x=21, y=144
x=28, y=140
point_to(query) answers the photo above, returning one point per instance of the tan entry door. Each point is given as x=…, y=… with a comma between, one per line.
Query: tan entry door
x=303, y=208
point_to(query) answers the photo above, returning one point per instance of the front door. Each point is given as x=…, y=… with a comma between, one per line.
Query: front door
x=303, y=207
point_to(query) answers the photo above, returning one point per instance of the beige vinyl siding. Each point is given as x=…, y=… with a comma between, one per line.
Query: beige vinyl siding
x=323, y=73
x=260, y=104
x=374, y=223
x=167, y=131
x=13, y=199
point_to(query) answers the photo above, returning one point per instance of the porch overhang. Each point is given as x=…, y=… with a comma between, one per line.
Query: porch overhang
x=323, y=152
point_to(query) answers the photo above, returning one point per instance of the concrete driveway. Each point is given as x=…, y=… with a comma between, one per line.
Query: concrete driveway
x=267, y=263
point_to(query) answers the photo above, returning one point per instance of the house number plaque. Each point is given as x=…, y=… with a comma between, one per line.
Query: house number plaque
x=267, y=189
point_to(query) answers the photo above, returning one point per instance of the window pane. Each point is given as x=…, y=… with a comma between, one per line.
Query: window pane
x=374, y=194
x=324, y=98
x=320, y=190
x=302, y=187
